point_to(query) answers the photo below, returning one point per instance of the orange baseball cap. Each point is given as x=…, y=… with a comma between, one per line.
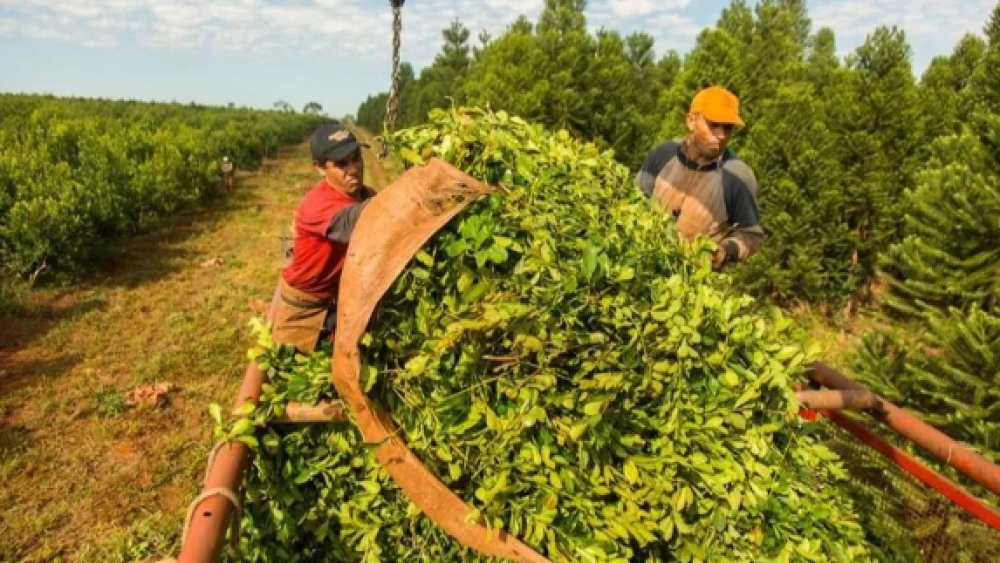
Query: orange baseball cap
x=717, y=104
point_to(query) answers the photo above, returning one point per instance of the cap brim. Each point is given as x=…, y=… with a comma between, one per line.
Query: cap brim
x=727, y=119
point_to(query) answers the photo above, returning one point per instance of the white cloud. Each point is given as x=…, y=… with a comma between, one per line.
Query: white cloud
x=513, y=8
x=675, y=32
x=235, y=26
x=672, y=27
x=42, y=32
x=633, y=8
x=932, y=27
x=362, y=28
x=101, y=42
x=180, y=14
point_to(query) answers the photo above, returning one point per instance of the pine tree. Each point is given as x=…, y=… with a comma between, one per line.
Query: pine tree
x=942, y=276
x=951, y=247
x=616, y=117
x=959, y=377
x=568, y=49
x=807, y=255
x=775, y=53
x=950, y=252
x=371, y=112
x=822, y=62
x=624, y=82
x=441, y=83
x=509, y=74
x=985, y=90
x=877, y=118
x=408, y=89
x=986, y=79
x=944, y=88
x=484, y=39
x=737, y=21
x=950, y=375
x=801, y=24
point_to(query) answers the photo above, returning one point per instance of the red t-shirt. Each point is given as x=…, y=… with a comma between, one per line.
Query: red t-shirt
x=316, y=260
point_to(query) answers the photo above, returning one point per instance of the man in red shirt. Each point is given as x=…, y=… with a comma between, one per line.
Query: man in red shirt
x=324, y=221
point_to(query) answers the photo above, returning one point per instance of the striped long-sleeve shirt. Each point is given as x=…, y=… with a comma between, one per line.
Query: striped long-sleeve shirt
x=718, y=199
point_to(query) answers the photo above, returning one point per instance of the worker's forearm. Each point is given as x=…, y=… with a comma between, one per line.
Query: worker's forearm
x=343, y=222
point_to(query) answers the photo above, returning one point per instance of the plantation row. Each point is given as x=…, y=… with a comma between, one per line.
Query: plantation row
x=76, y=175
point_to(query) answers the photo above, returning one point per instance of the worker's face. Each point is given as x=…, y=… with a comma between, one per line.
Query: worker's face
x=347, y=175
x=709, y=138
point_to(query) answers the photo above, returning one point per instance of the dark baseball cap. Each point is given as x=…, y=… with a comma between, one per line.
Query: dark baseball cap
x=333, y=142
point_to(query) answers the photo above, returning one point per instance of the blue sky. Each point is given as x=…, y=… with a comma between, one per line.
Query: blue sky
x=254, y=52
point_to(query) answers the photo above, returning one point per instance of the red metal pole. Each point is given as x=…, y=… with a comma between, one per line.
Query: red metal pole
x=938, y=482
x=206, y=535
x=971, y=464
x=825, y=376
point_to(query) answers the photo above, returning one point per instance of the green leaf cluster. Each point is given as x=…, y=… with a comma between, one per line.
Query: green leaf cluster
x=574, y=372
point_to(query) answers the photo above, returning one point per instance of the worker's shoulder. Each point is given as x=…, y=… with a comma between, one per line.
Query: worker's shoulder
x=667, y=149
x=739, y=172
x=316, y=191
x=659, y=157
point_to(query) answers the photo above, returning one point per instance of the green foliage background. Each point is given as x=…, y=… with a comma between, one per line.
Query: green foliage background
x=878, y=187
x=942, y=276
x=834, y=143
x=76, y=175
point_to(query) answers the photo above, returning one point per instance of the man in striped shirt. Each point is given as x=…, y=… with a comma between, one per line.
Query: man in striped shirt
x=703, y=184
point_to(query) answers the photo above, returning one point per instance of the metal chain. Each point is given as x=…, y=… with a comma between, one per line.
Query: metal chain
x=392, y=106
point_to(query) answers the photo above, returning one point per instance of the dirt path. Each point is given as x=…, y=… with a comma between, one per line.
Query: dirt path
x=82, y=477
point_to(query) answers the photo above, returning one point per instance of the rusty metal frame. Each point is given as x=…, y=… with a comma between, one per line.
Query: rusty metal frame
x=303, y=413
x=946, y=449
x=953, y=491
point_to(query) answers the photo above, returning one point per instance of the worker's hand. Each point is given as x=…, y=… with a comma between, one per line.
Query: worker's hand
x=728, y=251
x=719, y=258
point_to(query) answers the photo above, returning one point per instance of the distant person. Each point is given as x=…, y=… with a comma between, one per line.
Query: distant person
x=703, y=184
x=228, y=180
x=306, y=311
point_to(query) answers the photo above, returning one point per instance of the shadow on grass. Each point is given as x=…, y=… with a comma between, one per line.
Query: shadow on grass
x=17, y=374
x=14, y=439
